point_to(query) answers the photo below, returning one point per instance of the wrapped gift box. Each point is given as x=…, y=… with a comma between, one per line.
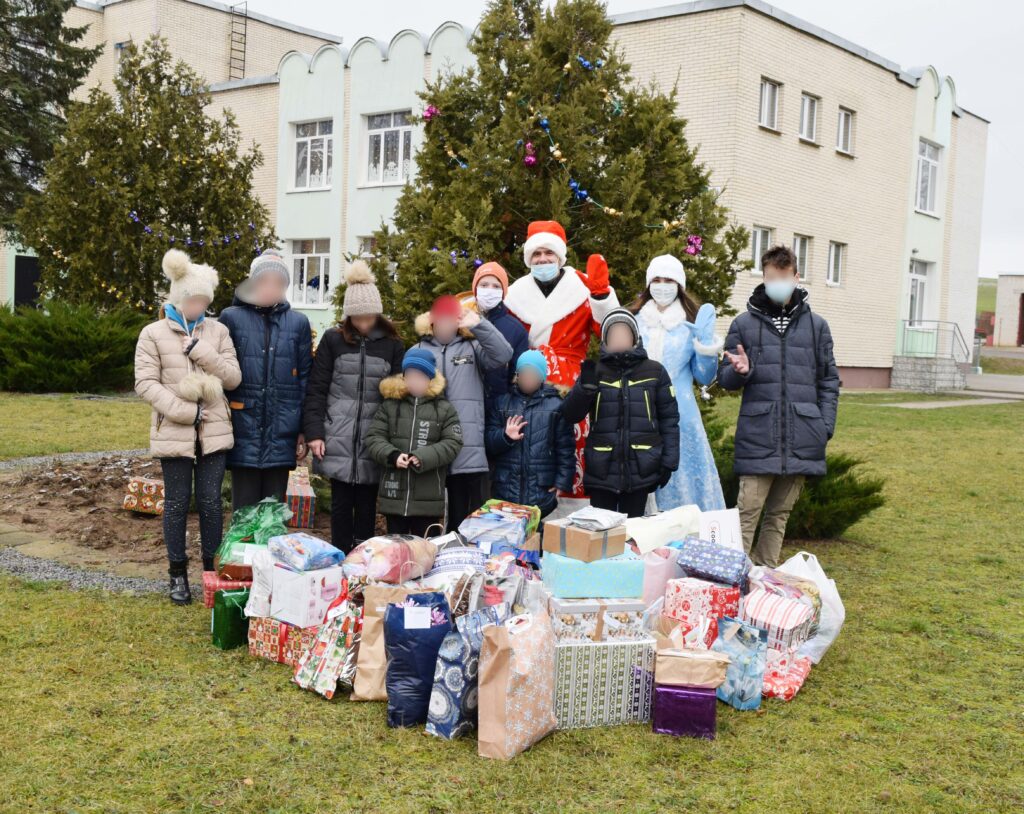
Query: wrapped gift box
x=561, y=537
x=713, y=562
x=301, y=598
x=612, y=578
x=779, y=582
x=229, y=626
x=144, y=495
x=603, y=683
x=690, y=668
x=597, y=620
x=278, y=641
x=301, y=499
x=213, y=583
x=685, y=711
x=785, y=686
x=691, y=601
x=787, y=621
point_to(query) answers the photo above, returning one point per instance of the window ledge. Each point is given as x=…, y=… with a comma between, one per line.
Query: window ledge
x=845, y=154
x=833, y=285
x=310, y=307
x=809, y=142
x=385, y=185
x=757, y=272
x=927, y=214
x=768, y=129
x=296, y=190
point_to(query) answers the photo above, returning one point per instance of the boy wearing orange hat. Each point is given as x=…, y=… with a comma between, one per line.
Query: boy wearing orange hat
x=561, y=309
x=490, y=285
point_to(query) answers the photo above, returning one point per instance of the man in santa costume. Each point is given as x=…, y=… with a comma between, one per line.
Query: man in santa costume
x=561, y=307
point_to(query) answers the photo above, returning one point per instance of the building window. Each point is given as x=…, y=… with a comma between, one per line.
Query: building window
x=121, y=47
x=809, y=117
x=314, y=148
x=844, y=131
x=367, y=246
x=836, y=263
x=311, y=272
x=927, y=176
x=918, y=281
x=388, y=147
x=769, y=112
x=760, y=240
x=802, y=250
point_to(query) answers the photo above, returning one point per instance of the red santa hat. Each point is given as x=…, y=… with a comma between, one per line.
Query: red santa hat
x=545, y=234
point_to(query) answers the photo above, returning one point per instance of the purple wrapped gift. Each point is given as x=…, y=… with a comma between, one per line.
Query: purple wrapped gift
x=684, y=711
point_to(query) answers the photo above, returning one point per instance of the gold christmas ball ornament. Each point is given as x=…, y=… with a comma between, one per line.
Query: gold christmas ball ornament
x=509, y=95
x=557, y=154
x=567, y=66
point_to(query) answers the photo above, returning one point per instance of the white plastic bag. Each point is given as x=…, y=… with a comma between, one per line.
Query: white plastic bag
x=262, y=583
x=833, y=614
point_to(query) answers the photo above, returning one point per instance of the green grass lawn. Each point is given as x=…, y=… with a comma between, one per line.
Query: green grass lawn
x=120, y=704
x=1002, y=364
x=43, y=425
x=986, y=294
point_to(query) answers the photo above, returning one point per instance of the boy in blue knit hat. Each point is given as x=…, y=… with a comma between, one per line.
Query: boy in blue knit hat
x=531, y=446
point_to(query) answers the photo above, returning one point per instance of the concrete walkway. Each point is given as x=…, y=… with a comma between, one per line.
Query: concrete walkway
x=996, y=383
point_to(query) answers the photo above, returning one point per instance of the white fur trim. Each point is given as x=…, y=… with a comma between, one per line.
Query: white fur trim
x=667, y=266
x=601, y=308
x=525, y=301
x=544, y=240
x=712, y=349
x=669, y=319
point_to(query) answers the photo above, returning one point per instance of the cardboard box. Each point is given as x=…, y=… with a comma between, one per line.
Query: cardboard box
x=603, y=683
x=597, y=620
x=301, y=598
x=301, y=499
x=572, y=541
x=690, y=668
x=146, y=496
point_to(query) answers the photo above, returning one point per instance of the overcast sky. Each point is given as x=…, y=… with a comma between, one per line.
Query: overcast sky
x=976, y=42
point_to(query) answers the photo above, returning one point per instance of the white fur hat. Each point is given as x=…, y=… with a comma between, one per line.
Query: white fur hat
x=545, y=234
x=188, y=279
x=667, y=266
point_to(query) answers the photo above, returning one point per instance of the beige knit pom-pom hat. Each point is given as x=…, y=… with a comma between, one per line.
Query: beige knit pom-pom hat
x=361, y=294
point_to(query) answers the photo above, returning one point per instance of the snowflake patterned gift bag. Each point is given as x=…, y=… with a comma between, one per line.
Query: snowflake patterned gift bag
x=453, y=700
x=517, y=685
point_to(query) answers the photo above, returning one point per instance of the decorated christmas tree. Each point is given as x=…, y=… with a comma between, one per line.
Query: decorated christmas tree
x=549, y=125
x=140, y=171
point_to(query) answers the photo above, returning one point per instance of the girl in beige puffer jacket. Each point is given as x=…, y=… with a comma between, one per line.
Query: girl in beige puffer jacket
x=183, y=364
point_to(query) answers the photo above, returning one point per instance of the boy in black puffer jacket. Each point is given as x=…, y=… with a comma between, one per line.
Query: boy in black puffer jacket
x=633, y=446
x=530, y=444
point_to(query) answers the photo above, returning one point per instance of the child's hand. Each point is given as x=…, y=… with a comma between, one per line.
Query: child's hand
x=739, y=361
x=514, y=427
x=186, y=342
x=414, y=462
x=403, y=461
x=469, y=318
x=317, y=448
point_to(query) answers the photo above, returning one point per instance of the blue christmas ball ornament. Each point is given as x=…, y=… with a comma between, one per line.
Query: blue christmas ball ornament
x=544, y=124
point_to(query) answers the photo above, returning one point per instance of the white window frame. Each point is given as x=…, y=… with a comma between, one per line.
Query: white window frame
x=836, y=263
x=367, y=246
x=405, y=148
x=927, y=173
x=760, y=240
x=809, y=123
x=300, y=270
x=918, y=290
x=802, y=250
x=324, y=134
x=770, y=91
x=844, y=131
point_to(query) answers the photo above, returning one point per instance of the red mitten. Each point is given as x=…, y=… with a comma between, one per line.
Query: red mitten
x=597, y=275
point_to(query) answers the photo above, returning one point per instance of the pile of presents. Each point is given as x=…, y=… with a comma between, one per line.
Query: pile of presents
x=512, y=630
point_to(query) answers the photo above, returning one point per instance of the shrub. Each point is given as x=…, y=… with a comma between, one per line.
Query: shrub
x=62, y=348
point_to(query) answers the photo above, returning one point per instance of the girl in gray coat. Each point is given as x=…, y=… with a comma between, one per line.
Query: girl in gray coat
x=465, y=346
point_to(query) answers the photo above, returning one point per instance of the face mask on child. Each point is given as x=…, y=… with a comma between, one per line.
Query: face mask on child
x=664, y=293
x=779, y=291
x=487, y=298
x=544, y=272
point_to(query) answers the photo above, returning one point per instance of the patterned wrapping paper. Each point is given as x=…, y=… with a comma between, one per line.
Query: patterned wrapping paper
x=331, y=660
x=747, y=649
x=787, y=621
x=685, y=711
x=278, y=641
x=785, y=686
x=613, y=578
x=597, y=620
x=692, y=600
x=213, y=583
x=301, y=499
x=146, y=496
x=603, y=683
x=713, y=562
x=517, y=686
x=779, y=582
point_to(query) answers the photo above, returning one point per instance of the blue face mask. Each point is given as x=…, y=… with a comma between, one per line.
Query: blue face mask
x=544, y=272
x=779, y=290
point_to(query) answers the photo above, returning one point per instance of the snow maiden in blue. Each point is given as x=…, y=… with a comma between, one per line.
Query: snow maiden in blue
x=683, y=339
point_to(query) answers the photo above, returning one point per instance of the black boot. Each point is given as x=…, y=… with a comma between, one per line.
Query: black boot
x=208, y=564
x=179, y=590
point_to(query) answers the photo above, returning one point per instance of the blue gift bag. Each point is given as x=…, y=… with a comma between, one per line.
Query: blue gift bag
x=747, y=649
x=413, y=633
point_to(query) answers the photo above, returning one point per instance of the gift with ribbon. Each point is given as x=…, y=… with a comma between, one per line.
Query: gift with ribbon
x=563, y=538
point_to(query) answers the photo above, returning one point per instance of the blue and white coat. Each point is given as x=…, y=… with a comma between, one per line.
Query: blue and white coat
x=689, y=352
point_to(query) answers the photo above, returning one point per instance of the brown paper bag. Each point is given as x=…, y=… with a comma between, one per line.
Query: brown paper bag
x=516, y=684
x=690, y=668
x=371, y=665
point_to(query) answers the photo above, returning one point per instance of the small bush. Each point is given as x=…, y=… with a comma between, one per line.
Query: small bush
x=61, y=348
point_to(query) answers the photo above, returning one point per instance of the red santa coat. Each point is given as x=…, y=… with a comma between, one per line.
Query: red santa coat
x=560, y=326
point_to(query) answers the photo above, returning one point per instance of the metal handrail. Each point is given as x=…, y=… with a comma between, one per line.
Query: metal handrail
x=935, y=339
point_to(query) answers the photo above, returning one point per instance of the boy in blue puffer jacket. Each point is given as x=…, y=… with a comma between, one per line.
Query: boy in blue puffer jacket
x=530, y=444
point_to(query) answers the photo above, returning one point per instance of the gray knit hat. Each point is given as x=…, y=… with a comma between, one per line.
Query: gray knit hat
x=270, y=260
x=361, y=294
x=623, y=316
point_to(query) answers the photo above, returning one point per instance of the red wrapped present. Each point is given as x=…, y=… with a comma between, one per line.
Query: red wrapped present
x=786, y=685
x=692, y=600
x=213, y=583
x=146, y=496
x=279, y=641
x=301, y=499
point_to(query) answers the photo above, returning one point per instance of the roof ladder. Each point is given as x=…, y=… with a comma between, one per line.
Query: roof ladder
x=239, y=15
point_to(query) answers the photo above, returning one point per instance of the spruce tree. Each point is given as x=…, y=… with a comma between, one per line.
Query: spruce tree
x=40, y=67
x=549, y=125
x=140, y=171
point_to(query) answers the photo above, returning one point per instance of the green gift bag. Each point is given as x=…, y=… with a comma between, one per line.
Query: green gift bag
x=229, y=626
